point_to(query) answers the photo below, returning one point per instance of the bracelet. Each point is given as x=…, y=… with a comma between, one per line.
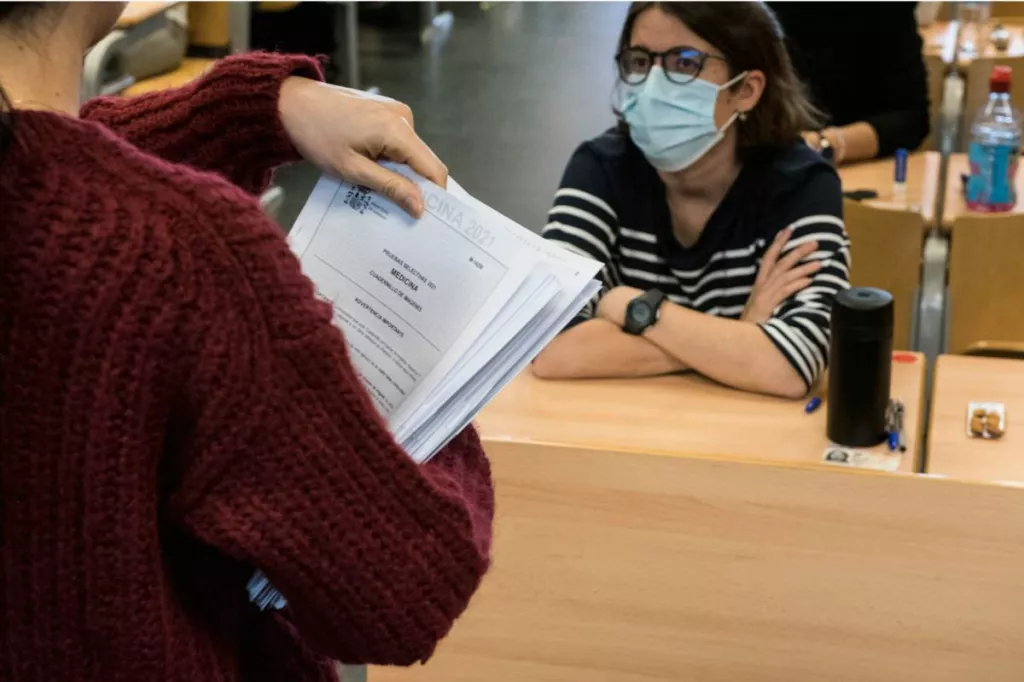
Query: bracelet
x=840, y=145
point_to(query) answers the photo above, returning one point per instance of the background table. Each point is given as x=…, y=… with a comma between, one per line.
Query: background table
x=954, y=204
x=960, y=380
x=137, y=12
x=940, y=38
x=923, y=172
x=681, y=415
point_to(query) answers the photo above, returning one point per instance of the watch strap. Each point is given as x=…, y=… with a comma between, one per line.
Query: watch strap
x=642, y=311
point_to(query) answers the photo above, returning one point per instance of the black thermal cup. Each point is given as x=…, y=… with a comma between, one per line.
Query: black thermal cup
x=860, y=367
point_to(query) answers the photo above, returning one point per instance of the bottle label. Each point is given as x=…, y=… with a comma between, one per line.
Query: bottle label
x=991, y=185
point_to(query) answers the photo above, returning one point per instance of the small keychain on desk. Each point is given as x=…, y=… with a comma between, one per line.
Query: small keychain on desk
x=986, y=420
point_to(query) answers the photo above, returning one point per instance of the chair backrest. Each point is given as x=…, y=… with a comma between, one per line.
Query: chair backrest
x=1011, y=350
x=985, y=279
x=886, y=249
x=1007, y=10
x=209, y=29
x=937, y=70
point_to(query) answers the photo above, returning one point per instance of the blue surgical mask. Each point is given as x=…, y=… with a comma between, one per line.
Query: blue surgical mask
x=673, y=124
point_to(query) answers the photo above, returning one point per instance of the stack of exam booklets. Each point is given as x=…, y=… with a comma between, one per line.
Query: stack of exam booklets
x=440, y=312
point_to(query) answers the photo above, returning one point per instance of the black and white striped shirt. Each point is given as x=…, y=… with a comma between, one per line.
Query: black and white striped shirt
x=611, y=206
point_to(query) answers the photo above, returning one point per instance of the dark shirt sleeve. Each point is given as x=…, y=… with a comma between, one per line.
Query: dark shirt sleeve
x=848, y=79
x=582, y=219
x=904, y=120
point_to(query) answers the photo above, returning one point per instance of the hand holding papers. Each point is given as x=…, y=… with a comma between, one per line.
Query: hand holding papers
x=439, y=312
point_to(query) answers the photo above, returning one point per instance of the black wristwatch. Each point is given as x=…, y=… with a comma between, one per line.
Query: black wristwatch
x=642, y=311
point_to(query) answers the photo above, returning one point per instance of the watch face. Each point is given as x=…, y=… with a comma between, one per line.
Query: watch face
x=643, y=314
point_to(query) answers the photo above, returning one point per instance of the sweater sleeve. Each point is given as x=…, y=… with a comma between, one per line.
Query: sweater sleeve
x=800, y=327
x=288, y=468
x=226, y=121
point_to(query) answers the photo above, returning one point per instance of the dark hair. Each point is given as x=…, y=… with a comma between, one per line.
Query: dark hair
x=11, y=13
x=750, y=37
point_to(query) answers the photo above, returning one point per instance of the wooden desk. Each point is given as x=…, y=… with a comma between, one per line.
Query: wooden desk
x=618, y=567
x=190, y=69
x=137, y=12
x=923, y=169
x=681, y=415
x=941, y=38
x=954, y=204
x=960, y=380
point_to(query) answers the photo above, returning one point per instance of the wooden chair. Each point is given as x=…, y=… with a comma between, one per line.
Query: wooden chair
x=1010, y=350
x=209, y=38
x=985, y=278
x=209, y=29
x=886, y=248
x=937, y=70
x=104, y=70
x=190, y=69
x=1005, y=10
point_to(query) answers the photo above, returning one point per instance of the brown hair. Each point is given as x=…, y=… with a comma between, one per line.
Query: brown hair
x=750, y=37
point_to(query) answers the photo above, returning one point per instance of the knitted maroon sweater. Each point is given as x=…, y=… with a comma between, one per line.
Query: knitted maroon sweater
x=176, y=410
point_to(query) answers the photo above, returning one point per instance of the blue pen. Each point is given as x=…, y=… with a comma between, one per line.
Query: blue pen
x=812, y=405
x=899, y=186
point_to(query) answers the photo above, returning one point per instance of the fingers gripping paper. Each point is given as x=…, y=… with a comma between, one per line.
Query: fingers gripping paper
x=439, y=312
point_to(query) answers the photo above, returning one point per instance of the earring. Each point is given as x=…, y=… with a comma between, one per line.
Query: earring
x=743, y=116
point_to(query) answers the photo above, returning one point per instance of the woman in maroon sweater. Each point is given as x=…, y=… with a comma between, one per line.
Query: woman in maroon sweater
x=176, y=409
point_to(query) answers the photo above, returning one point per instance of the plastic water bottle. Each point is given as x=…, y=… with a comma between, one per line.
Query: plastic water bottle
x=994, y=149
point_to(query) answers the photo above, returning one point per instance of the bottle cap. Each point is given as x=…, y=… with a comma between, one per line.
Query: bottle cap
x=1000, y=79
x=862, y=310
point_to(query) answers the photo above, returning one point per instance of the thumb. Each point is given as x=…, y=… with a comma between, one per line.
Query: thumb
x=395, y=187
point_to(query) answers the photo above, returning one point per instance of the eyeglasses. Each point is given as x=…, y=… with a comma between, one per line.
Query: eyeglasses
x=681, y=64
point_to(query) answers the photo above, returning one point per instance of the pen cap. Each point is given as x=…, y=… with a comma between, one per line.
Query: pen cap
x=860, y=366
x=900, y=159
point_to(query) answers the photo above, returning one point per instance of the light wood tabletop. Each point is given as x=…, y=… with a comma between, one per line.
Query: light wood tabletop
x=960, y=380
x=941, y=37
x=137, y=12
x=683, y=415
x=954, y=204
x=922, y=191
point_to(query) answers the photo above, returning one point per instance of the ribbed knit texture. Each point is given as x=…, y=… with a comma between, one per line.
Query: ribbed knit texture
x=176, y=410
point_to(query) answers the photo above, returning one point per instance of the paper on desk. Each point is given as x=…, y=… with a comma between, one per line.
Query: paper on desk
x=839, y=455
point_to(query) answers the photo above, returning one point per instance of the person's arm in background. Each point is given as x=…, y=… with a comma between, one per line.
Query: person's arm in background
x=900, y=97
x=288, y=467
x=254, y=112
x=781, y=355
x=583, y=221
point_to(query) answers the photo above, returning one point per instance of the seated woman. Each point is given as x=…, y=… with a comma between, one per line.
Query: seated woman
x=720, y=230
x=871, y=111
